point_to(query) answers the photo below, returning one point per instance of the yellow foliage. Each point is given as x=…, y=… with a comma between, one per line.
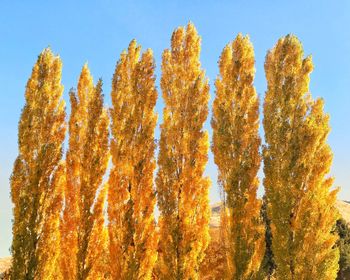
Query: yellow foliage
x=59, y=227
x=49, y=241
x=36, y=186
x=98, y=253
x=297, y=160
x=131, y=198
x=181, y=187
x=236, y=145
x=87, y=160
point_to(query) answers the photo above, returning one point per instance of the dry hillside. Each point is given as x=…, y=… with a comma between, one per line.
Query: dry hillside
x=4, y=265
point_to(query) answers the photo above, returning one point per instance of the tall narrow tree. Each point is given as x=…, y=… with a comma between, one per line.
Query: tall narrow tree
x=131, y=196
x=181, y=187
x=34, y=189
x=87, y=160
x=297, y=160
x=236, y=145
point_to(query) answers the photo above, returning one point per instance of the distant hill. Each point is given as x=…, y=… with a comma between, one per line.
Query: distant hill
x=4, y=266
x=344, y=209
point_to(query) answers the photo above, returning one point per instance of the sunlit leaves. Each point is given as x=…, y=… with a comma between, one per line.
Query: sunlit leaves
x=236, y=152
x=133, y=238
x=36, y=186
x=181, y=187
x=82, y=223
x=297, y=160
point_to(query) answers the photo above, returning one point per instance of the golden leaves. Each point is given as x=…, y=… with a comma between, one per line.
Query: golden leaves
x=297, y=160
x=131, y=198
x=236, y=145
x=182, y=189
x=87, y=160
x=40, y=138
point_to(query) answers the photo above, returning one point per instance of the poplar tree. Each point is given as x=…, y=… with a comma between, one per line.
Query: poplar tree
x=86, y=160
x=236, y=145
x=131, y=196
x=36, y=189
x=297, y=160
x=181, y=187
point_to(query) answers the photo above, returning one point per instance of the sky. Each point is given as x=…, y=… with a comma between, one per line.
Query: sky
x=98, y=31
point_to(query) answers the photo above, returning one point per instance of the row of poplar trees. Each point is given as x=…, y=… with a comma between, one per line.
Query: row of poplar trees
x=70, y=222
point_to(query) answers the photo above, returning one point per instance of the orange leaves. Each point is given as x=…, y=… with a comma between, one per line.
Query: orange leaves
x=181, y=187
x=62, y=204
x=87, y=160
x=132, y=230
x=36, y=196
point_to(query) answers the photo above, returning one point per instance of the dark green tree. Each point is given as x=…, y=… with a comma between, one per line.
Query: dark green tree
x=343, y=231
x=268, y=265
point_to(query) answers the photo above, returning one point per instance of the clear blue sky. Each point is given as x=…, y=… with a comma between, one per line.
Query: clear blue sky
x=97, y=31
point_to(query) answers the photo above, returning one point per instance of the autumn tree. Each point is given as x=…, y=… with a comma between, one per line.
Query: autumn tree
x=36, y=181
x=297, y=160
x=86, y=161
x=131, y=196
x=181, y=187
x=236, y=145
